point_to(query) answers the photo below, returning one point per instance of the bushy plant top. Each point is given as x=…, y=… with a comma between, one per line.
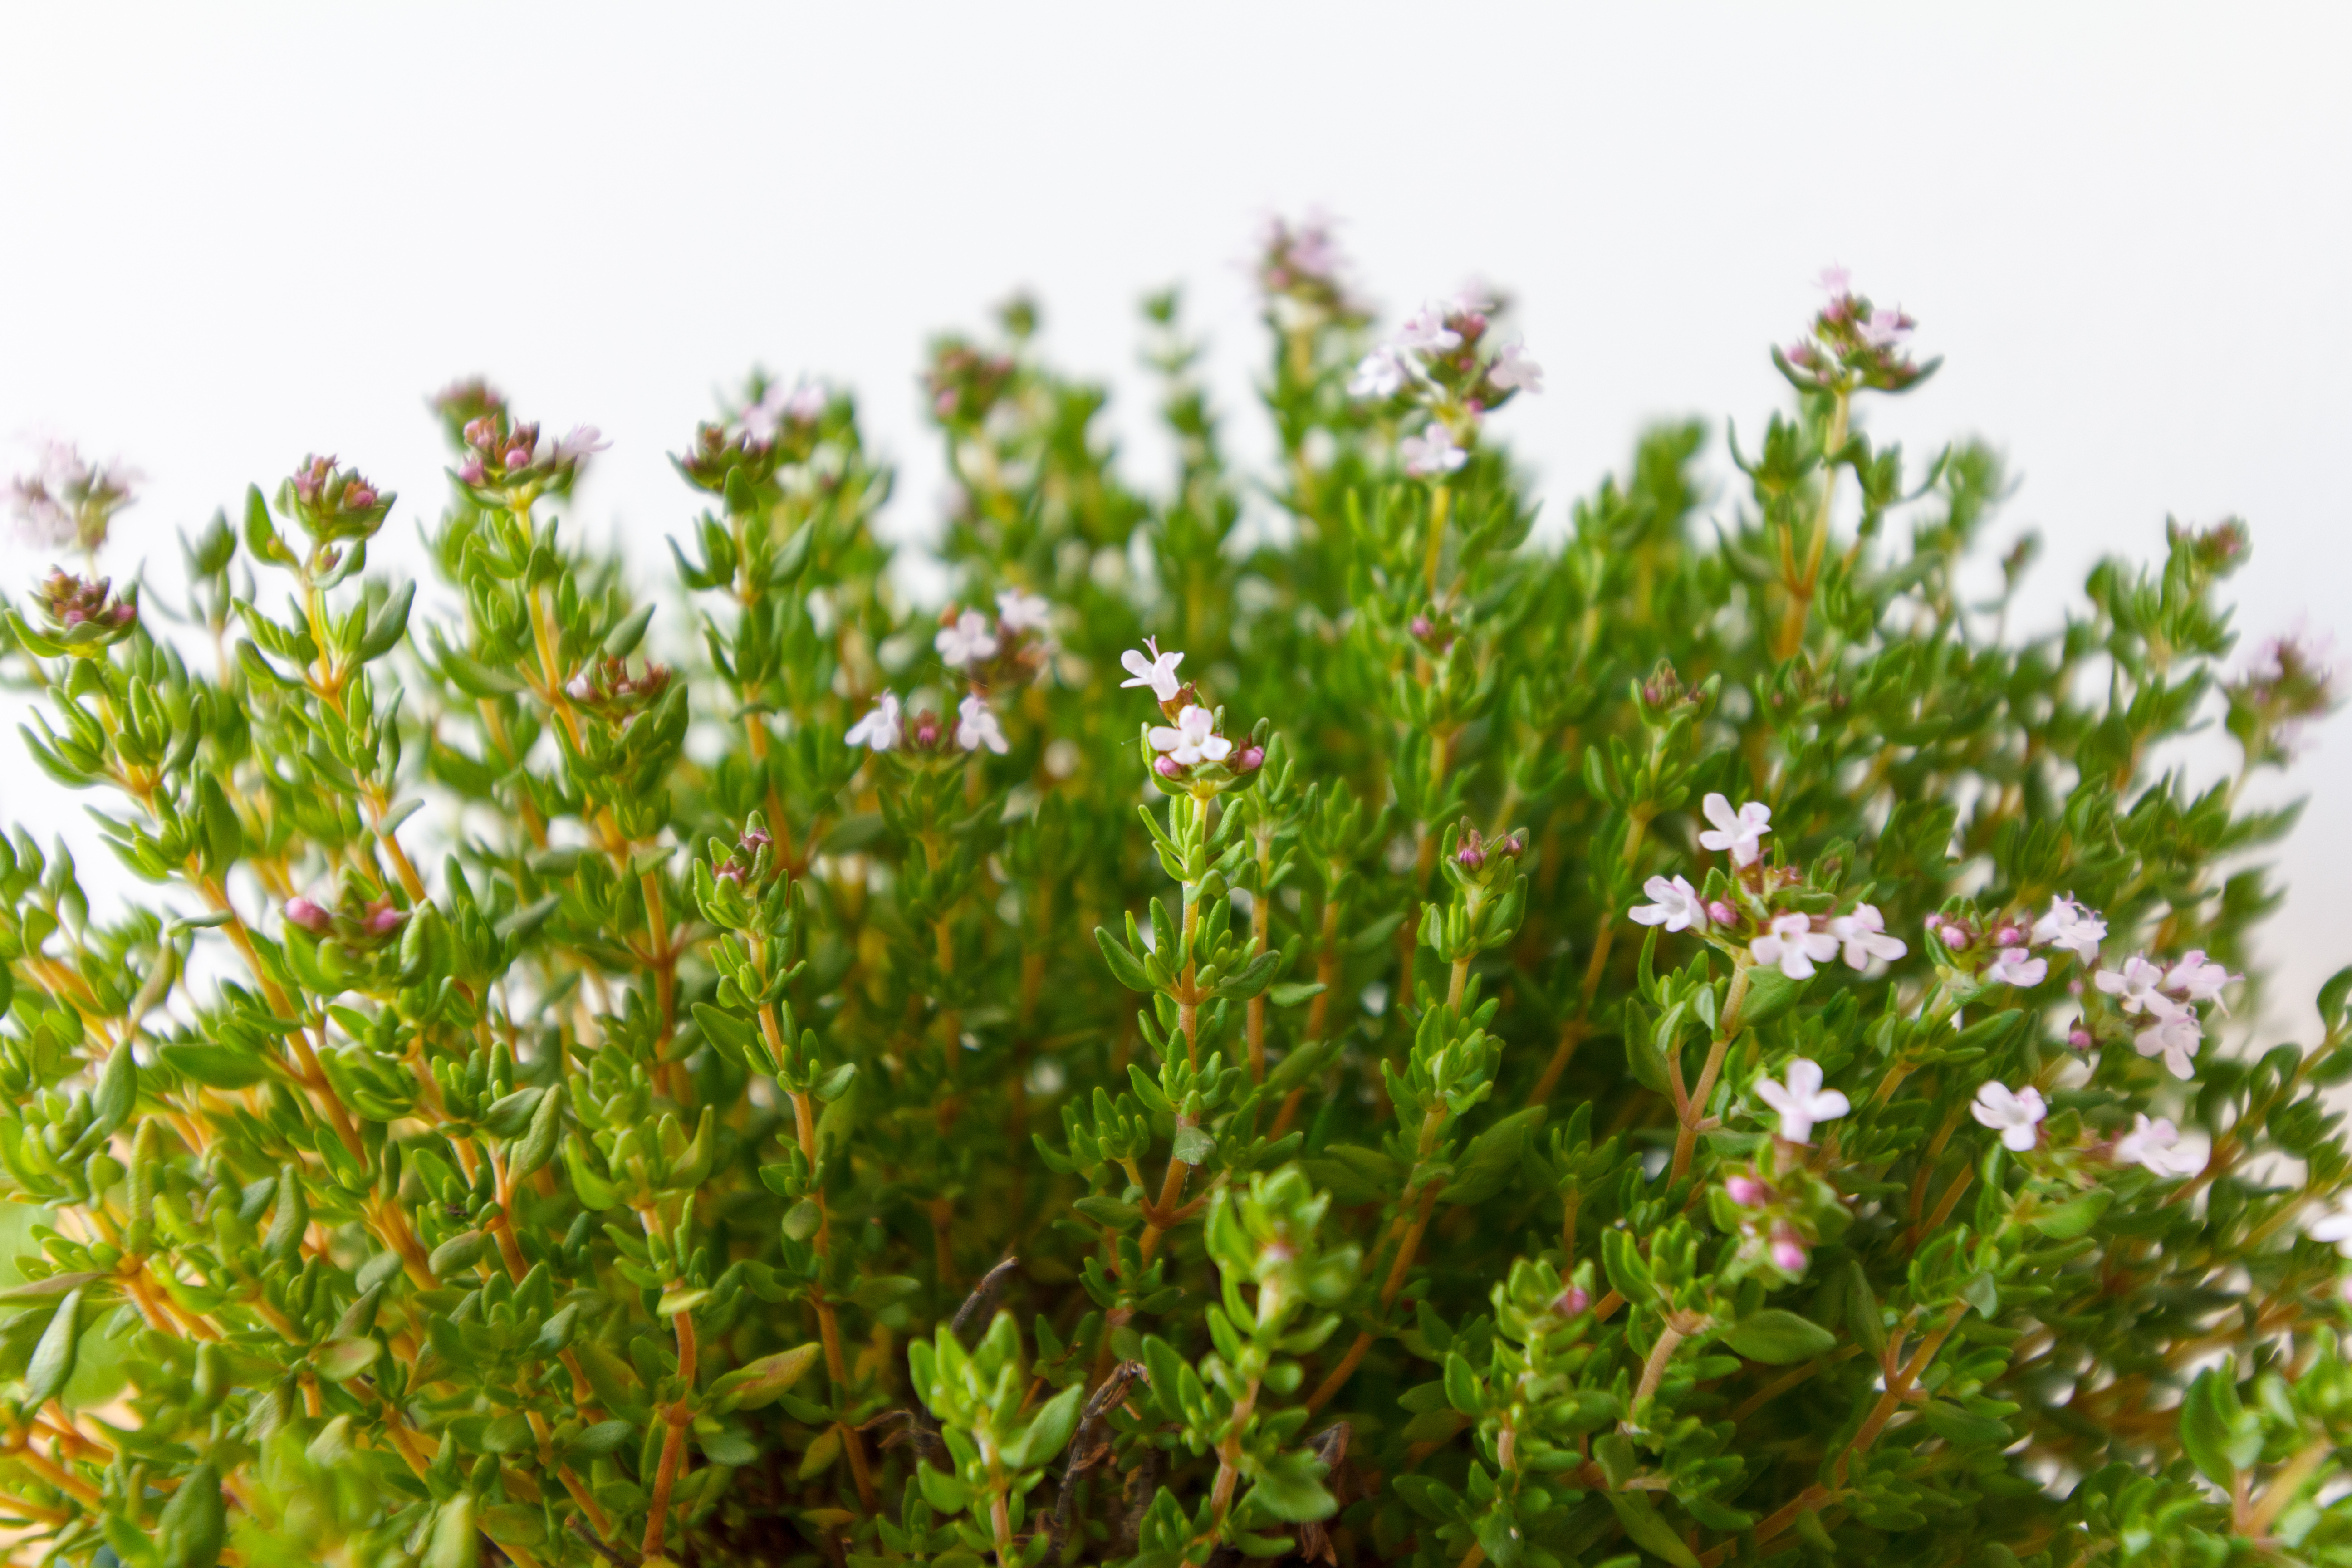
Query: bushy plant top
x=1288, y=1021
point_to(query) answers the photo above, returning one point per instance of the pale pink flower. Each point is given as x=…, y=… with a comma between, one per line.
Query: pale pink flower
x=879, y=729
x=2016, y=1117
x=970, y=639
x=2334, y=1227
x=2174, y=1034
x=1425, y=331
x=2198, y=978
x=2156, y=1146
x=1794, y=945
x=1021, y=611
x=2070, y=926
x=1675, y=905
x=1788, y=1254
x=1513, y=371
x=977, y=727
x=1835, y=281
x=1862, y=935
x=2015, y=966
x=1193, y=739
x=1885, y=328
x=2138, y=985
x=1740, y=832
x=1802, y=1100
x=582, y=440
x=1157, y=672
x=1380, y=374
x=1431, y=452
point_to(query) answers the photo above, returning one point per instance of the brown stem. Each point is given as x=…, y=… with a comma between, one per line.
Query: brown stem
x=1687, y=1134
x=679, y=1414
x=1604, y=937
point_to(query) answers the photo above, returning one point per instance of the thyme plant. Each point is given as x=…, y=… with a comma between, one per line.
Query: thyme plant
x=1296, y=1019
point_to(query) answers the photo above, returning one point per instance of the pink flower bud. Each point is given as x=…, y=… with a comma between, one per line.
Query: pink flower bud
x=1747, y=1192
x=359, y=497
x=302, y=912
x=517, y=456
x=2079, y=1037
x=1420, y=627
x=1572, y=1301
x=1167, y=767
x=729, y=872
x=1720, y=911
x=1250, y=760
x=1956, y=936
x=382, y=919
x=1788, y=1253
x=472, y=472
x=2009, y=936
x=1471, y=855
x=754, y=839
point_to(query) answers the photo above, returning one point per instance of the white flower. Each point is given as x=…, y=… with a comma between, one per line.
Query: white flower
x=1863, y=936
x=2198, y=978
x=2013, y=1116
x=1379, y=375
x=879, y=728
x=1472, y=299
x=1020, y=611
x=977, y=727
x=1193, y=739
x=968, y=640
x=2334, y=1226
x=1835, y=281
x=1795, y=946
x=582, y=440
x=1426, y=329
x=1513, y=371
x=1802, y=1101
x=2070, y=926
x=1431, y=452
x=802, y=406
x=2156, y=1145
x=2140, y=985
x=1738, y=833
x=806, y=403
x=1157, y=672
x=2175, y=1036
x=1676, y=905
x=2015, y=966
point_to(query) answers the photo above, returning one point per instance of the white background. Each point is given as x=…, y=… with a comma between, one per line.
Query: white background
x=232, y=235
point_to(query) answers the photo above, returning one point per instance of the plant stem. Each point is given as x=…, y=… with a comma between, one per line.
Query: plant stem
x=1695, y=1107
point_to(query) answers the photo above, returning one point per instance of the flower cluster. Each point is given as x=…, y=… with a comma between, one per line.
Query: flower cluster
x=69, y=501
x=501, y=455
x=1438, y=359
x=1852, y=342
x=1190, y=751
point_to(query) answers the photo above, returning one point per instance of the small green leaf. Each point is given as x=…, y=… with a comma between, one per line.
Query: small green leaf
x=1777, y=1336
x=1649, y=1531
x=53, y=1356
x=758, y=1383
x=338, y=1361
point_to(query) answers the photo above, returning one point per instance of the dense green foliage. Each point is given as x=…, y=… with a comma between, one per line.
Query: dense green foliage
x=878, y=1088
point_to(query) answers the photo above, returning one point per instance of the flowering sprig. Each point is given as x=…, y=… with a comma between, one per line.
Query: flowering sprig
x=69, y=501
x=1852, y=342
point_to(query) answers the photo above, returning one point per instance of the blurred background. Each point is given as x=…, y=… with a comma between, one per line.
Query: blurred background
x=231, y=235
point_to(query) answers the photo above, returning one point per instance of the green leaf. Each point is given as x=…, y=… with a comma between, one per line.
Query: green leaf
x=118, y=1091
x=53, y=1356
x=2073, y=1217
x=1493, y=1158
x=942, y=1491
x=1777, y=1336
x=1462, y=1390
x=215, y=1066
x=1649, y=1531
x=758, y=1383
x=193, y=1525
x=338, y=1361
x=1964, y=1428
x=602, y=1438
x=1125, y=967
x=594, y=1191
x=1048, y=1431
x=732, y=1035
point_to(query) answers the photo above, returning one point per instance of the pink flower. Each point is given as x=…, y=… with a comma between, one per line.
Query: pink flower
x=880, y=728
x=1747, y=1192
x=1788, y=1254
x=1794, y=945
x=1018, y=611
x=1863, y=934
x=1431, y=452
x=2174, y=1034
x=1835, y=281
x=1513, y=371
x=1249, y=759
x=1193, y=739
x=582, y=440
x=2156, y=1145
x=1885, y=329
x=969, y=639
x=2015, y=966
x=1802, y=1100
x=1741, y=832
x=1425, y=331
x=302, y=912
x=1572, y=1301
x=2139, y=987
x=2016, y=1117
x=1157, y=672
x=976, y=727
x=2070, y=926
x=1380, y=374
x=1674, y=904
x=2198, y=978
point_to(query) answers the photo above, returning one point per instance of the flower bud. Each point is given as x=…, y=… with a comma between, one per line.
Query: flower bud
x=1166, y=767
x=302, y=912
x=2009, y=936
x=2079, y=1037
x=383, y=918
x=1572, y=1301
x=1747, y=1191
x=1788, y=1254
x=1721, y=912
x=1249, y=759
